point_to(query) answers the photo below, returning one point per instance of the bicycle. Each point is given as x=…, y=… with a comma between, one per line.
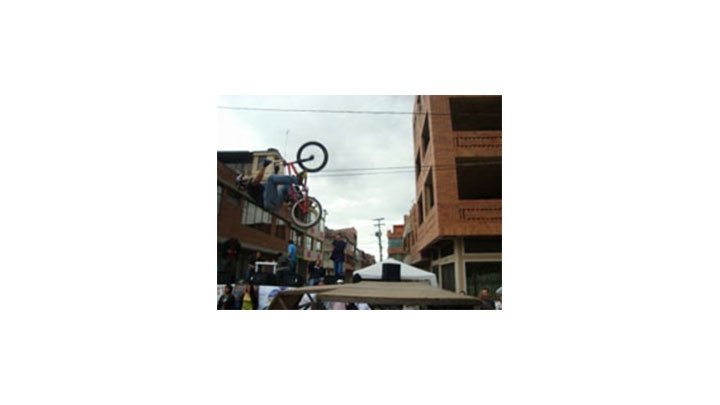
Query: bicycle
x=306, y=211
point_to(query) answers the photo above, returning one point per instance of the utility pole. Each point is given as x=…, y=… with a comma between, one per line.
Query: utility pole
x=379, y=234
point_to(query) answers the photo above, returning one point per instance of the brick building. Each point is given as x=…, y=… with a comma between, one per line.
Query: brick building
x=455, y=226
x=396, y=249
x=365, y=259
x=255, y=228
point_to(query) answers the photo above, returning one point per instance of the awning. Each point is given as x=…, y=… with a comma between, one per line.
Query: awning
x=376, y=293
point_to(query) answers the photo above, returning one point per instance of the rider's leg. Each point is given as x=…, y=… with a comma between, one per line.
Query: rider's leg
x=284, y=191
x=283, y=179
x=285, y=182
x=273, y=197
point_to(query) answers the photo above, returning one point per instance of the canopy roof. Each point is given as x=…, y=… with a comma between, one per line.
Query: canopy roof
x=407, y=272
x=375, y=293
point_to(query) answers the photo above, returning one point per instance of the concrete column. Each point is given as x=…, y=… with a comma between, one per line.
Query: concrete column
x=460, y=282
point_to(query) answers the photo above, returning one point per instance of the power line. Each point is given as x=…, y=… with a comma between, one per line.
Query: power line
x=367, y=168
x=464, y=164
x=370, y=171
x=320, y=111
x=381, y=173
x=374, y=171
x=362, y=174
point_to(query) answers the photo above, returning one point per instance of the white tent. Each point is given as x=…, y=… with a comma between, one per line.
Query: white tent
x=407, y=273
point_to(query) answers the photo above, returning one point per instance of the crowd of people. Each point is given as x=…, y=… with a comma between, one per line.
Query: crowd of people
x=488, y=303
x=245, y=294
x=242, y=297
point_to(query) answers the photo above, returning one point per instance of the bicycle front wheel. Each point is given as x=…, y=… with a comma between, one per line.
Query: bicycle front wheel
x=312, y=156
x=306, y=214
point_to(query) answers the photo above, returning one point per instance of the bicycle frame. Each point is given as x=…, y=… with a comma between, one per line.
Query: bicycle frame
x=303, y=186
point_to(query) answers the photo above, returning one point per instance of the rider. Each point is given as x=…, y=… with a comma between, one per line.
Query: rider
x=274, y=192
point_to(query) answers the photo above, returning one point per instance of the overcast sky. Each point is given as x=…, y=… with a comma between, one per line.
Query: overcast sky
x=353, y=141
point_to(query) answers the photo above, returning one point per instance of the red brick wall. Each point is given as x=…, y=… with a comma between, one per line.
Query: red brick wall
x=451, y=216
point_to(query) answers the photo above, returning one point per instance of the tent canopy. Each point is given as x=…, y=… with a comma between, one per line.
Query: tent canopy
x=375, y=293
x=407, y=273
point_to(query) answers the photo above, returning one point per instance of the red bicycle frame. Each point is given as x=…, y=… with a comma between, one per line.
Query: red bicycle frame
x=303, y=186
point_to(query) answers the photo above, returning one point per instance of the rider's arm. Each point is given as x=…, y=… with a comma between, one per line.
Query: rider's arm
x=261, y=173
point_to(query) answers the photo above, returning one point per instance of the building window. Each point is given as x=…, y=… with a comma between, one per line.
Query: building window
x=260, y=162
x=248, y=217
x=395, y=243
x=479, y=178
x=448, y=276
x=429, y=191
x=417, y=167
x=425, y=135
x=256, y=217
x=418, y=112
x=219, y=198
x=481, y=275
x=420, y=210
x=308, y=243
x=483, y=244
x=267, y=218
x=476, y=113
x=446, y=248
x=280, y=229
x=318, y=246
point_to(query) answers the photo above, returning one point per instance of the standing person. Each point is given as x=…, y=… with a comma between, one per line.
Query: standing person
x=316, y=273
x=250, y=271
x=292, y=257
x=252, y=266
x=227, y=300
x=274, y=192
x=338, y=255
x=486, y=303
x=257, y=257
x=498, y=301
x=237, y=294
x=248, y=299
x=283, y=263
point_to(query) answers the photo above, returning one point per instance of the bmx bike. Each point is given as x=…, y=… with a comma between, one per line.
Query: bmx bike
x=306, y=211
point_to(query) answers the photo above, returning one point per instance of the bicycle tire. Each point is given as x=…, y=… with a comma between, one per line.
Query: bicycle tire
x=300, y=219
x=312, y=168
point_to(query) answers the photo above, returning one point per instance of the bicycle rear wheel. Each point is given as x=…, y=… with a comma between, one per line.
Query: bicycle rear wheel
x=315, y=151
x=306, y=217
